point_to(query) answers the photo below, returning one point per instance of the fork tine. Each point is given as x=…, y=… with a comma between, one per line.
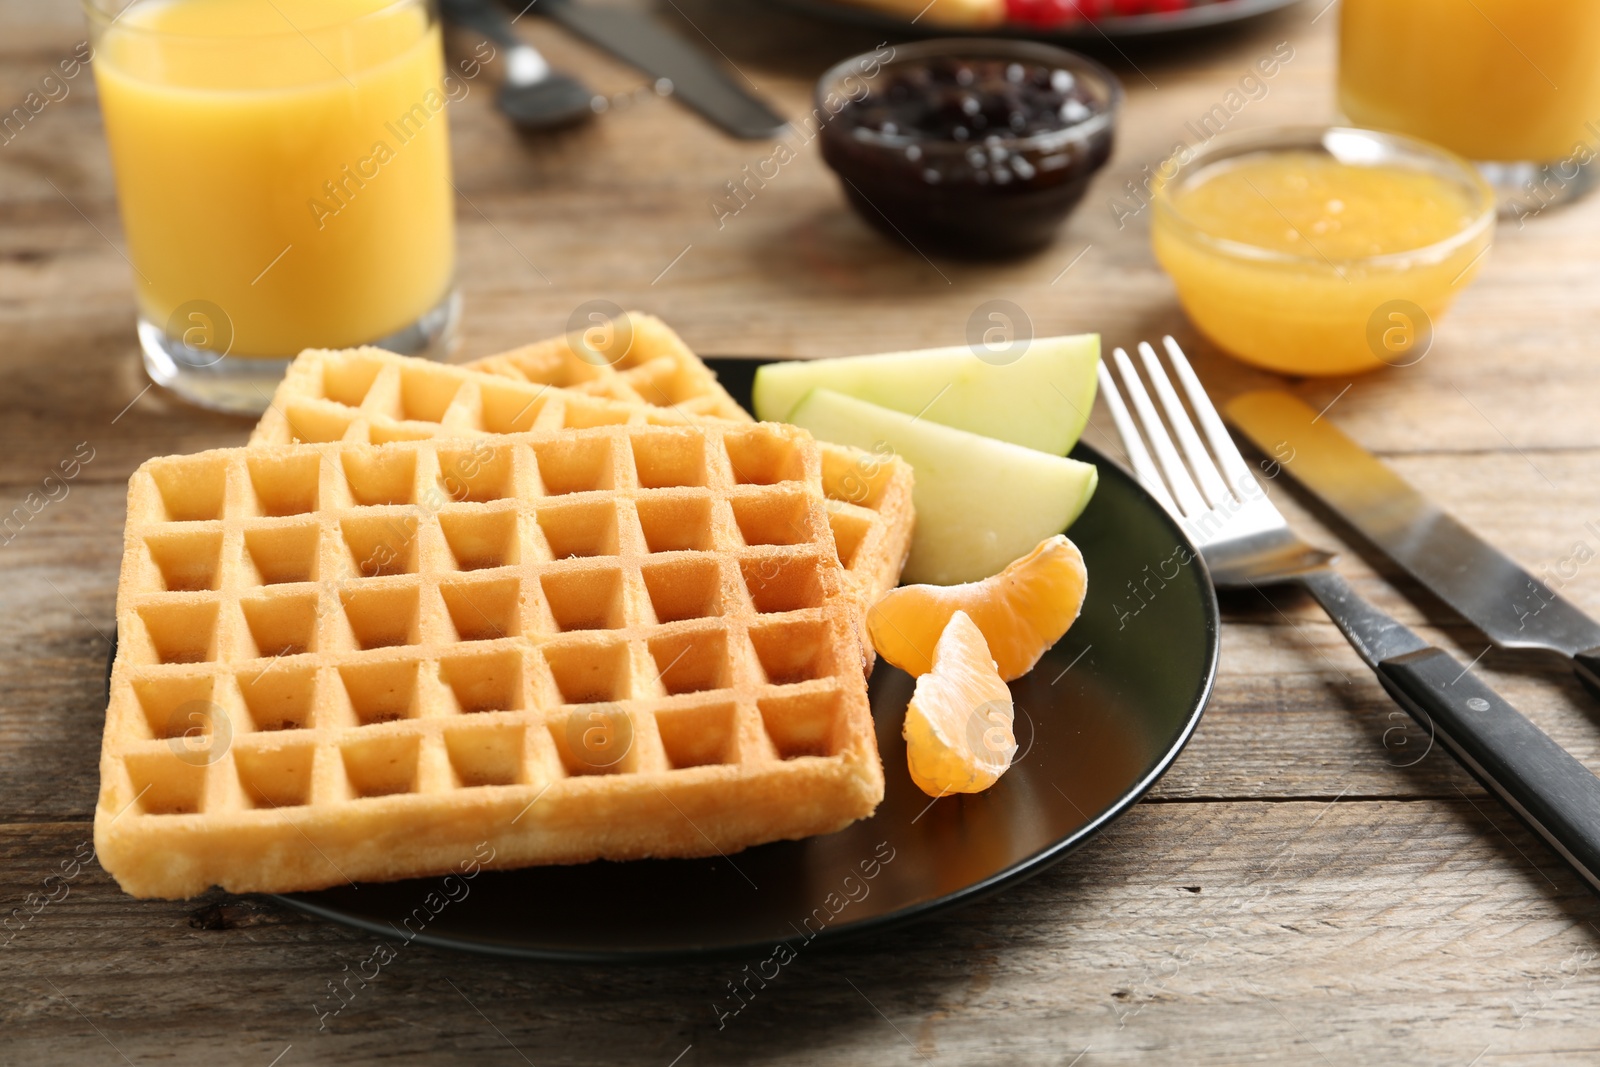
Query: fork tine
x=1190, y=502
x=1144, y=468
x=1234, y=468
x=1200, y=461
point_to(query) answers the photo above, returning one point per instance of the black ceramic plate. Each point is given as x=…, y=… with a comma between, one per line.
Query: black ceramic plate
x=1114, y=27
x=1098, y=721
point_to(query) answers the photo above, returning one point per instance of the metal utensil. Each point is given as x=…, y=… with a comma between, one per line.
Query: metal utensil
x=533, y=95
x=638, y=39
x=1245, y=541
x=1512, y=607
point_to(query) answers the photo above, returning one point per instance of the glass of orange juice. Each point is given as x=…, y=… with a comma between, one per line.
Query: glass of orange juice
x=283, y=173
x=1511, y=84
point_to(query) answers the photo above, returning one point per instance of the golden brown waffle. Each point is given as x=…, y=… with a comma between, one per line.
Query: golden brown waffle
x=639, y=360
x=344, y=662
x=369, y=395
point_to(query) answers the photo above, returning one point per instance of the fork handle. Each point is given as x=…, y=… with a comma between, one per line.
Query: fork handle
x=1534, y=776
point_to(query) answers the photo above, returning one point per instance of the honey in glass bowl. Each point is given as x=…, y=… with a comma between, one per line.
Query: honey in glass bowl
x=1320, y=250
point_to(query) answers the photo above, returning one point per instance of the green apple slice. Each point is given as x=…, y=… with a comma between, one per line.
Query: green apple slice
x=980, y=503
x=1040, y=399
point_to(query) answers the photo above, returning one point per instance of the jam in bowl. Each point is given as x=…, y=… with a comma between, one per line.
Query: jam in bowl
x=969, y=147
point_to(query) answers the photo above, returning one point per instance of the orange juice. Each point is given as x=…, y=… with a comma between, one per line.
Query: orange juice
x=1494, y=80
x=285, y=161
x=1287, y=256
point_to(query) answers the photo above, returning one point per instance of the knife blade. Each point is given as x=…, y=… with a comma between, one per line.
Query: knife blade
x=1511, y=607
x=636, y=38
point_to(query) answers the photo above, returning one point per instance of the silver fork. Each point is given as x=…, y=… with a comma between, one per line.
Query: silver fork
x=1246, y=542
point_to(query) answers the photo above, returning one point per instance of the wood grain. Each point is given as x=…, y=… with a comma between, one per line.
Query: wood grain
x=1301, y=887
x=1394, y=933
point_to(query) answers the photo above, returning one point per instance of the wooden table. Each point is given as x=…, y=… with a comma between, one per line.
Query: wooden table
x=1300, y=888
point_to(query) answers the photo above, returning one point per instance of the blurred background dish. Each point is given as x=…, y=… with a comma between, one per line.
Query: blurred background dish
x=1045, y=19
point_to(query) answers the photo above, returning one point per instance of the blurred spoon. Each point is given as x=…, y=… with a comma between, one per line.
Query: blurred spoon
x=532, y=95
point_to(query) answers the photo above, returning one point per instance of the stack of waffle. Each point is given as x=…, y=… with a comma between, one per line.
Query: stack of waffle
x=434, y=607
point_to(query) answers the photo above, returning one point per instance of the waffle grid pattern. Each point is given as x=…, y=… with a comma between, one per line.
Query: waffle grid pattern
x=654, y=367
x=369, y=395
x=616, y=642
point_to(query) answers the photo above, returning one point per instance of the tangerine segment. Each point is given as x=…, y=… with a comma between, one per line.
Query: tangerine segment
x=958, y=725
x=1022, y=611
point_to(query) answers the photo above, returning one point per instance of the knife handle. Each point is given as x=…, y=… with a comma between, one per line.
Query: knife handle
x=1555, y=794
x=1587, y=664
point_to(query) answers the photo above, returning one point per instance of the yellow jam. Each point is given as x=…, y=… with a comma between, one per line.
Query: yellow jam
x=1295, y=261
x=1504, y=80
x=286, y=161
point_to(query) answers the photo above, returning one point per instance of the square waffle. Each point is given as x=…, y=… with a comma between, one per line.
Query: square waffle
x=372, y=396
x=639, y=360
x=375, y=396
x=343, y=661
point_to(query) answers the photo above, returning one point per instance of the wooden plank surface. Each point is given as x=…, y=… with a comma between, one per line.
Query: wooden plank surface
x=1300, y=888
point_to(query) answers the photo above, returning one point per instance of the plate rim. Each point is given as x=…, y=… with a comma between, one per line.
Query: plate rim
x=1116, y=27
x=1023, y=869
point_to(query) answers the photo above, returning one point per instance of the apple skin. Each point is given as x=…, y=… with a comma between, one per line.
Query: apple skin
x=1041, y=399
x=980, y=503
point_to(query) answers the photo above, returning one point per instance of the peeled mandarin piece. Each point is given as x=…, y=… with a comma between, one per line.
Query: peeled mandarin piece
x=958, y=725
x=1022, y=611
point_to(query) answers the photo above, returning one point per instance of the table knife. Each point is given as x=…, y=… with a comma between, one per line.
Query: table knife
x=636, y=38
x=1514, y=609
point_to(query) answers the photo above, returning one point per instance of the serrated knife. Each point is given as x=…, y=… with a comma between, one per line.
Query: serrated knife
x=1514, y=609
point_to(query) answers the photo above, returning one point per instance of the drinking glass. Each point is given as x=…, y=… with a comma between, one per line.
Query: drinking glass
x=283, y=173
x=1513, y=85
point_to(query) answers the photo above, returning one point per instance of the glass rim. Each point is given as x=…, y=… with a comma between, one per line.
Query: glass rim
x=985, y=48
x=1400, y=150
x=97, y=11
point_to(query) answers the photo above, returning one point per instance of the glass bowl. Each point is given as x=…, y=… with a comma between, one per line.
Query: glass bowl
x=991, y=193
x=1309, y=313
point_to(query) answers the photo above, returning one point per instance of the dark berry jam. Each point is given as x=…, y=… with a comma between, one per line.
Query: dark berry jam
x=973, y=154
x=948, y=99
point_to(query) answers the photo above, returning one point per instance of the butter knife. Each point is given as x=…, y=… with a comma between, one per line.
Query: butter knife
x=1512, y=608
x=635, y=37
